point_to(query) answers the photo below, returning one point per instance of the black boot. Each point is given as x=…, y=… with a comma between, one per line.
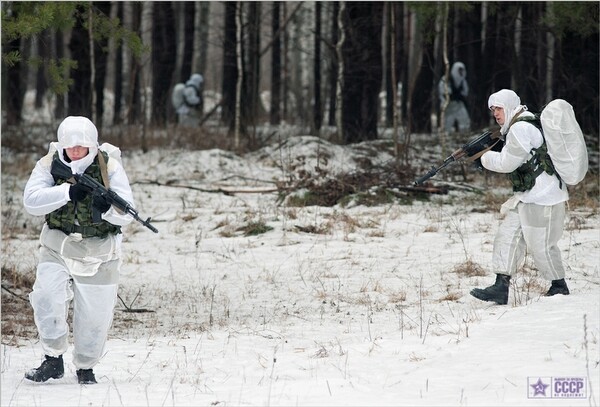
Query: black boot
x=86, y=376
x=558, y=287
x=51, y=368
x=497, y=293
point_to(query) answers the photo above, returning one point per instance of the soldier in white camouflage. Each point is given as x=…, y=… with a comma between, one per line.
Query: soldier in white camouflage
x=79, y=258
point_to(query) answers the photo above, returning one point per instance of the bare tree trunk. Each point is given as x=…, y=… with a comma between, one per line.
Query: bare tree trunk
x=41, y=85
x=126, y=66
x=179, y=40
x=240, y=69
x=333, y=70
x=340, y=72
x=443, y=13
x=229, y=79
x=286, y=65
x=108, y=100
x=387, y=55
x=30, y=71
x=276, y=66
x=146, y=69
x=201, y=16
x=441, y=126
x=415, y=57
x=92, y=64
x=299, y=68
x=550, y=40
x=252, y=74
x=197, y=45
x=317, y=111
x=517, y=48
x=362, y=70
x=52, y=53
x=394, y=80
x=62, y=51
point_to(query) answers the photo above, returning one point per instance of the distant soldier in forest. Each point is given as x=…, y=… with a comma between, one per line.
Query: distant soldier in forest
x=188, y=102
x=456, y=115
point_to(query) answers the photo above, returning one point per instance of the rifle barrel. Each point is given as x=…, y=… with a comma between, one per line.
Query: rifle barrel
x=425, y=177
x=434, y=170
x=63, y=171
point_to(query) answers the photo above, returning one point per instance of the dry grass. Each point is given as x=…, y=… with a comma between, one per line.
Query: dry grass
x=17, y=314
x=452, y=296
x=469, y=269
x=397, y=297
x=314, y=229
x=255, y=228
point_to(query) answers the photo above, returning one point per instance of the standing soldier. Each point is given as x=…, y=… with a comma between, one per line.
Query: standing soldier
x=188, y=102
x=456, y=114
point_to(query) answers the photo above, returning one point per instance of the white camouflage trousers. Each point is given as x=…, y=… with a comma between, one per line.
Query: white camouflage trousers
x=94, y=298
x=456, y=113
x=535, y=228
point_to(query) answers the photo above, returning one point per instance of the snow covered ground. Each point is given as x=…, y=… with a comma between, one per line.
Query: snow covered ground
x=332, y=306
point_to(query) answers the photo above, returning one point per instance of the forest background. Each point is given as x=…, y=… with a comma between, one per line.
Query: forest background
x=313, y=65
x=298, y=271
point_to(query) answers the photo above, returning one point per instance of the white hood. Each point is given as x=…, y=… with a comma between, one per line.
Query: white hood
x=510, y=102
x=458, y=72
x=78, y=131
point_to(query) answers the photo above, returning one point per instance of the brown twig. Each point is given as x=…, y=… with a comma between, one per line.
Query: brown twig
x=212, y=191
x=13, y=293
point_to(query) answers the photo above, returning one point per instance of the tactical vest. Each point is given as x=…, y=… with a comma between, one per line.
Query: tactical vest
x=185, y=100
x=456, y=92
x=523, y=178
x=76, y=217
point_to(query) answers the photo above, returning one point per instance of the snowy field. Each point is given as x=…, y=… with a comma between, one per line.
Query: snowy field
x=349, y=305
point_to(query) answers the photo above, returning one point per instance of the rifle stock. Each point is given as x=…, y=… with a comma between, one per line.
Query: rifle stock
x=470, y=151
x=61, y=170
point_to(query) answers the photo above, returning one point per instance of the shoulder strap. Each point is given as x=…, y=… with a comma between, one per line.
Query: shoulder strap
x=516, y=118
x=103, y=171
x=535, y=121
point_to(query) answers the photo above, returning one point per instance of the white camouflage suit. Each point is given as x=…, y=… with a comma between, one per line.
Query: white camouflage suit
x=187, y=101
x=70, y=267
x=456, y=111
x=534, y=218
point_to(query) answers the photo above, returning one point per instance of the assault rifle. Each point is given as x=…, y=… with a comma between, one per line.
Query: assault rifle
x=61, y=170
x=471, y=151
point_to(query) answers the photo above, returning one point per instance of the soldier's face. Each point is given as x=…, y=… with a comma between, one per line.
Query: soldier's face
x=77, y=152
x=498, y=113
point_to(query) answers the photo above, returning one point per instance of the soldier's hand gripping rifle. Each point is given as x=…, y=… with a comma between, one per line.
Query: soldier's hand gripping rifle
x=471, y=151
x=61, y=170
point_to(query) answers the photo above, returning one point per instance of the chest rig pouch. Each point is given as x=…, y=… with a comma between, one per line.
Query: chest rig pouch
x=76, y=217
x=523, y=178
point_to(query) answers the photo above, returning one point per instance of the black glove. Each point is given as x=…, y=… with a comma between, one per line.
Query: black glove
x=99, y=202
x=77, y=192
x=477, y=165
x=498, y=146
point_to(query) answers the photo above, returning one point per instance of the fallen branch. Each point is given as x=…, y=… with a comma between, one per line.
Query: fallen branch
x=212, y=191
x=5, y=288
x=210, y=113
x=425, y=189
x=128, y=307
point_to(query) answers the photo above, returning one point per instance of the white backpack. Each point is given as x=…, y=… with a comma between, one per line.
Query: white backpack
x=564, y=138
x=177, y=97
x=112, y=151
